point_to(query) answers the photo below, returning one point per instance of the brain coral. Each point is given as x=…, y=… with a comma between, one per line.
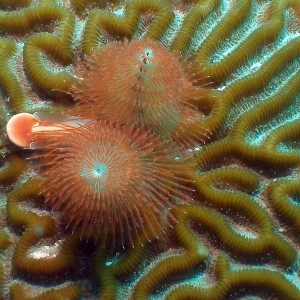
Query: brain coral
x=240, y=237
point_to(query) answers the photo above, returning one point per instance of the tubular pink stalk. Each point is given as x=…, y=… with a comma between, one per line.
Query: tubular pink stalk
x=21, y=128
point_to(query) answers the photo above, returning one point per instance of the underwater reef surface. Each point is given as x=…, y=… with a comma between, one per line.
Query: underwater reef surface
x=239, y=239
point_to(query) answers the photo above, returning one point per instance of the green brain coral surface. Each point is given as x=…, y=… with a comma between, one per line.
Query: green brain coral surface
x=239, y=236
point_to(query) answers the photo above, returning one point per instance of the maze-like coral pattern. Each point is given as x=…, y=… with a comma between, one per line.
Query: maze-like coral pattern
x=240, y=238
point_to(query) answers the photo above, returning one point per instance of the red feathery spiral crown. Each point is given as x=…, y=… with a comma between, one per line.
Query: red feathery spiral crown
x=115, y=180
x=139, y=83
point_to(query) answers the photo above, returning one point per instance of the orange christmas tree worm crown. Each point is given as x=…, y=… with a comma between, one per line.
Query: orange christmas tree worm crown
x=139, y=83
x=115, y=180
x=108, y=179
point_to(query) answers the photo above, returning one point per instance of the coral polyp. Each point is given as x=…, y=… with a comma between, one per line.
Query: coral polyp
x=115, y=182
x=141, y=83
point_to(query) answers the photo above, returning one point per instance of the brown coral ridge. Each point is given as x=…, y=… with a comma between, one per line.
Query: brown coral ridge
x=21, y=22
x=266, y=238
x=14, y=90
x=12, y=170
x=37, y=228
x=196, y=252
x=256, y=81
x=5, y=241
x=267, y=33
x=252, y=281
x=284, y=197
x=176, y=262
x=9, y=173
x=236, y=145
x=120, y=27
x=108, y=275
